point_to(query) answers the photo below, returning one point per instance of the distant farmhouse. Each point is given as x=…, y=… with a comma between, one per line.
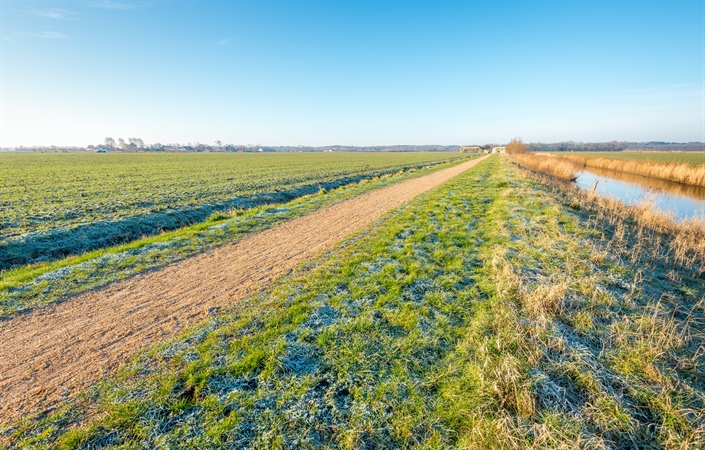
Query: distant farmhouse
x=482, y=149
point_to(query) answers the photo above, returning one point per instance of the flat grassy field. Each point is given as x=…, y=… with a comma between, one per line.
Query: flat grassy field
x=493, y=312
x=30, y=286
x=55, y=205
x=694, y=158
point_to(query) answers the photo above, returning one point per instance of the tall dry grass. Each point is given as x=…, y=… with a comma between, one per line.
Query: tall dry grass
x=547, y=164
x=657, y=233
x=678, y=172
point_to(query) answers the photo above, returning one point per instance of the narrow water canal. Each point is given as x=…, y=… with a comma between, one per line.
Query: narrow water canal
x=681, y=200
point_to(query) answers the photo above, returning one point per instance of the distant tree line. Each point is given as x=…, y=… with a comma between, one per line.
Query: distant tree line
x=657, y=145
x=572, y=146
x=371, y=148
x=138, y=145
x=134, y=144
x=613, y=146
x=45, y=149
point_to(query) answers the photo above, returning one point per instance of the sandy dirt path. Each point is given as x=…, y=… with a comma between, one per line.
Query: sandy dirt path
x=53, y=352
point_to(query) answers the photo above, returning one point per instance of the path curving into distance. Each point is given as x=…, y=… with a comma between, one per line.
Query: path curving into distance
x=60, y=349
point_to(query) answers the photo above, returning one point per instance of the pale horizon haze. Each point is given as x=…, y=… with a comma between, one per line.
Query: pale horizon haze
x=351, y=72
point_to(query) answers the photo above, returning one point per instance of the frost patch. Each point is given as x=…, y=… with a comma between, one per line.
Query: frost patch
x=376, y=266
x=224, y=385
x=105, y=260
x=417, y=291
x=323, y=317
x=300, y=359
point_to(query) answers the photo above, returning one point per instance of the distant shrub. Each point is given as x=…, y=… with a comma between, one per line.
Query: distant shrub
x=516, y=146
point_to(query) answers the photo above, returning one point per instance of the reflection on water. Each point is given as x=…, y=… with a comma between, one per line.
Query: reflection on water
x=682, y=200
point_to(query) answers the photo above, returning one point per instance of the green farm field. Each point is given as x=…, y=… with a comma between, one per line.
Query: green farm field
x=56, y=205
x=498, y=310
x=693, y=158
x=30, y=286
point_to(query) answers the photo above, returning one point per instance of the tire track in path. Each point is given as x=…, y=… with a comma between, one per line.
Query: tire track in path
x=58, y=350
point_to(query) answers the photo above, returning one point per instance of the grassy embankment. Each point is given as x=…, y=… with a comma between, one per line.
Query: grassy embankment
x=54, y=205
x=493, y=312
x=25, y=288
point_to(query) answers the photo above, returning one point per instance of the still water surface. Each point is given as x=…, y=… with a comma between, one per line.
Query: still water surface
x=681, y=200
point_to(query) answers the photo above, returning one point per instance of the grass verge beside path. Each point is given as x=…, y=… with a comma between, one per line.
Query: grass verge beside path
x=492, y=312
x=32, y=286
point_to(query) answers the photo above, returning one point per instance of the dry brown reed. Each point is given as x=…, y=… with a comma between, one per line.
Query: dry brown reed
x=678, y=172
x=683, y=240
x=603, y=353
x=656, y=232
x=557, y=167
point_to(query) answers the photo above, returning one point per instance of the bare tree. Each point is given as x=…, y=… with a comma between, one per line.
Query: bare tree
x=109, y=142
x=135, y=142
x=516, y=146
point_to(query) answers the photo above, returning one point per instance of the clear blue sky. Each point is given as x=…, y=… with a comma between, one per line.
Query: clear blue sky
x=352, y=72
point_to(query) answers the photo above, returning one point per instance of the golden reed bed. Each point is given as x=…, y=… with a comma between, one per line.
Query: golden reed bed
x=678, y=172
x=548, y=164
x=566, y=167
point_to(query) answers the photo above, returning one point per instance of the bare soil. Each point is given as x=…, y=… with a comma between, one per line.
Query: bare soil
x=51, y=353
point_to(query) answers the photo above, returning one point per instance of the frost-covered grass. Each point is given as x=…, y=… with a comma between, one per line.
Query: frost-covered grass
x=56, y=205
x=492, y=312
x=28, y=287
